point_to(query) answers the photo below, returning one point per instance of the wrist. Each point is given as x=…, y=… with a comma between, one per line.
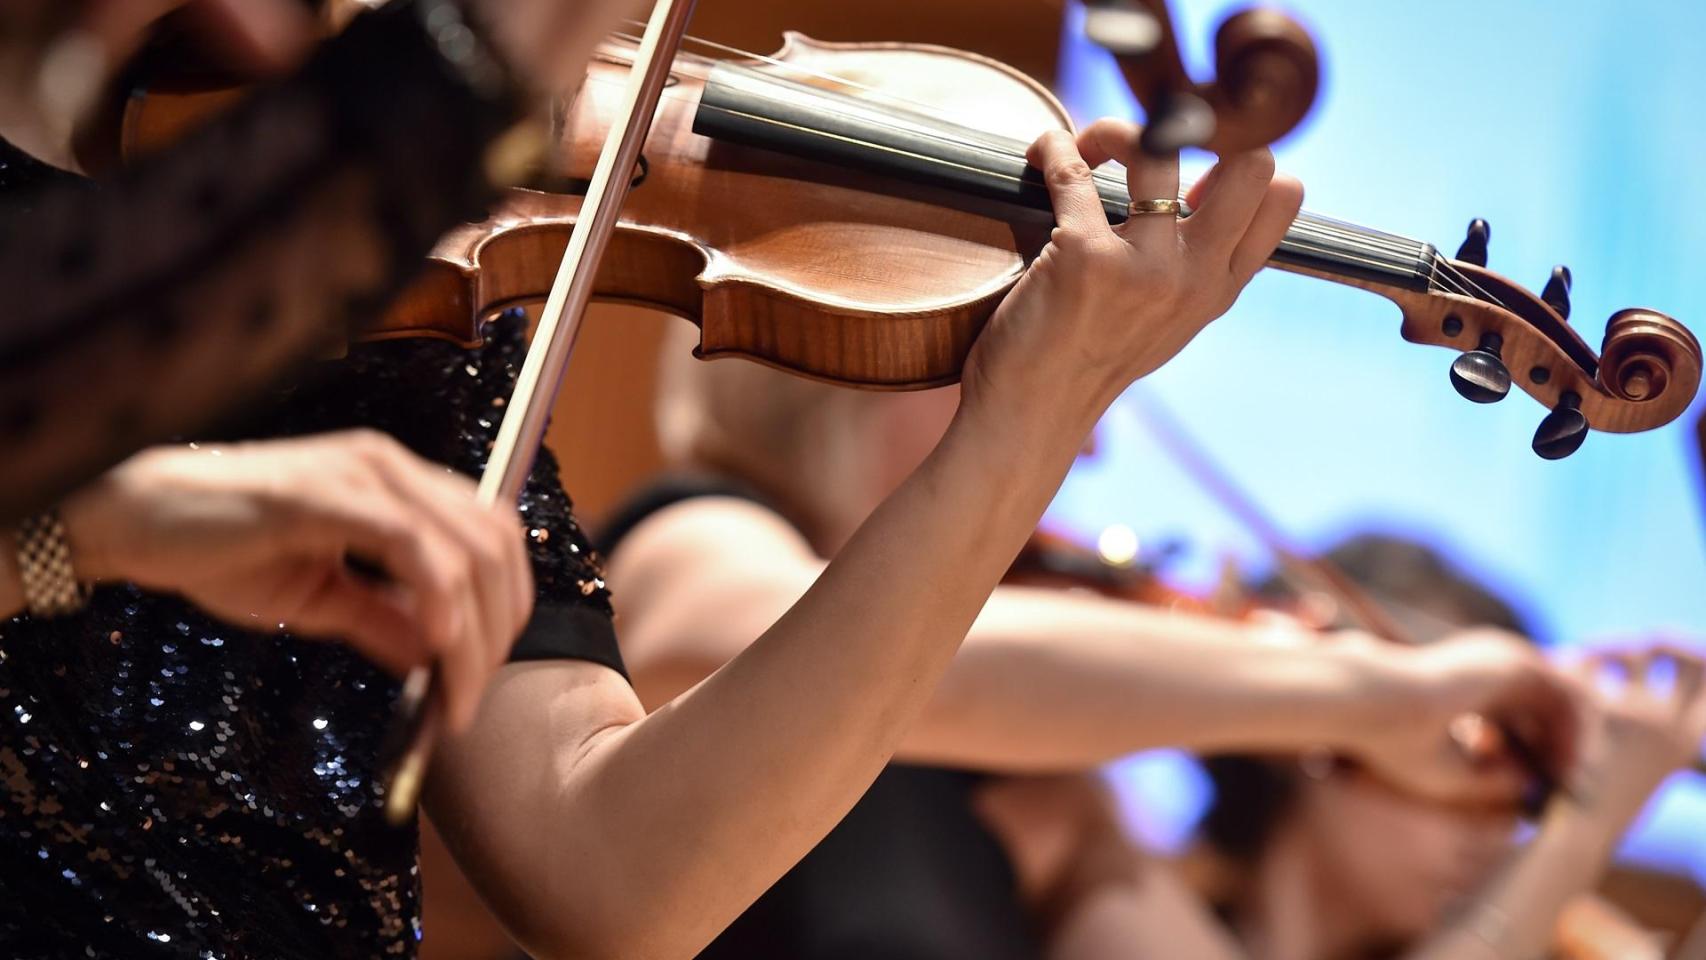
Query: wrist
x=1602, y=800
x=1378, y=695
x=87, y=517
x=11, y=582
x=1575, y=824
x=1065, y=409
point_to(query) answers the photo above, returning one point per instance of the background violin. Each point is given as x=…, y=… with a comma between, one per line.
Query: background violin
x=1590, y=927
x=1268, y=73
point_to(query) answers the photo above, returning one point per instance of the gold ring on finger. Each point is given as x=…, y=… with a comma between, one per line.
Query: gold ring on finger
x=1166, y=205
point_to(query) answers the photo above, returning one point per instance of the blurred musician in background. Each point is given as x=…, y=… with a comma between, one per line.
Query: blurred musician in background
x=1314, y=856
x=774, y=474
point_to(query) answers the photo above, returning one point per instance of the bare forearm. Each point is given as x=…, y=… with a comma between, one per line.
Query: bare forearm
x=11, y=587
x=774, y=748
x=1516, y=914
x=1049, y=681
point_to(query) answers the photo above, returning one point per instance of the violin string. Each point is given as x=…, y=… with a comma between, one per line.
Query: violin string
x=914, y=105
x=1452, y=270
x=1443, y=272
x=1349, y=234
x=1372, y=238
x=1322, y=247
x=991, y=146
x=1332, y=238
x=979, y=141
x=1343, y=257
x=1461, y=282
x=982, y=141
x=964, y=137
x=1361, y=233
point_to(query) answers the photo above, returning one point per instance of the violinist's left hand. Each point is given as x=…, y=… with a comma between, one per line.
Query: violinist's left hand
x=1493, y=684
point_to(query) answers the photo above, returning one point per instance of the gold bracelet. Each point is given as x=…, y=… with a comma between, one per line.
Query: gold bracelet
x=45, y=569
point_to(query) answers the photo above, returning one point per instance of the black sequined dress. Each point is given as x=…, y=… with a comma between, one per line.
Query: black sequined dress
x=171, y=787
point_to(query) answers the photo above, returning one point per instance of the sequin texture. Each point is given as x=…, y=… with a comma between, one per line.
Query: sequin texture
x=173, y=787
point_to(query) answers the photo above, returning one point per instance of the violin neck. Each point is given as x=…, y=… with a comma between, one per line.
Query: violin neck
x=752, y=107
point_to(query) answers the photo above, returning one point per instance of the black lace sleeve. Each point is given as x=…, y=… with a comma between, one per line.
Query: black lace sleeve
x=147, y=306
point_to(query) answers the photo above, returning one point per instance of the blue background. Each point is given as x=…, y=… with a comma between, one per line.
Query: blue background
x=1576, y=129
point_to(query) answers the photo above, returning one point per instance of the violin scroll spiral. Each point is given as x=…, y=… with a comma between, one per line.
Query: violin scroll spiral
x=1267, y=74
x=1644, y=353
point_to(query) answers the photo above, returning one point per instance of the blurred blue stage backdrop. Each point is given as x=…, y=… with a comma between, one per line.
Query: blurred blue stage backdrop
x=1575, y=128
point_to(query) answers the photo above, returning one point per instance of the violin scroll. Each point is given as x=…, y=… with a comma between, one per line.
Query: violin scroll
x=1647, y=372
x=1268, y=73
x=1643, y=353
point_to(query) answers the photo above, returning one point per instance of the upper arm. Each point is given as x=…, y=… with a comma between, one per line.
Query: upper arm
x=494, y=790
x=697, y=582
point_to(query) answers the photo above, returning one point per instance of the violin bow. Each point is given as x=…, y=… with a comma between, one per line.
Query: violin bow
x=1307, y=572
x=409, y=744
x=1301, y=570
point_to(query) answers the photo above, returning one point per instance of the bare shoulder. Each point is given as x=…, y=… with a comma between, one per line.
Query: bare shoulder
x=704, y=533
x=695, y=583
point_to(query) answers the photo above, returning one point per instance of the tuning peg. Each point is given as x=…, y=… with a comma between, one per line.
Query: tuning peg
x=1182, y=120
x=1557, y=292
x=1474, y=248
x=1563, y=430
x=1121, y=27
x=1479, y=374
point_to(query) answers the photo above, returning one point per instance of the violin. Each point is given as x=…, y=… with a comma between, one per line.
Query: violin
x=807, y=213
x=819, y=211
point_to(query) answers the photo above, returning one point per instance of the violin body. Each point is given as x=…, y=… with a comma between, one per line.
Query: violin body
x=829, y=272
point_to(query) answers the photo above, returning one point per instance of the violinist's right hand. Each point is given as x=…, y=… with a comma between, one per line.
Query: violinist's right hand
x=1103, y=306
x=259, y=534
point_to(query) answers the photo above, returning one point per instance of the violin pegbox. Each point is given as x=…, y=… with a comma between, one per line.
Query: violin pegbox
x=1645, y=375
x=1266, y=65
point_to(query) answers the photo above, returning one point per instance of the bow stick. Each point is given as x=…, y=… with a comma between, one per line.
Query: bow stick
x=1301, y=570
x=1310, y=572
x=416, y=728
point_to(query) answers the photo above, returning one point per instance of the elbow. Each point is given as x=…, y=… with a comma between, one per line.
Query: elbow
x=576, y=935
x=663, y=676
x=584, y=925
x=568, y=946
